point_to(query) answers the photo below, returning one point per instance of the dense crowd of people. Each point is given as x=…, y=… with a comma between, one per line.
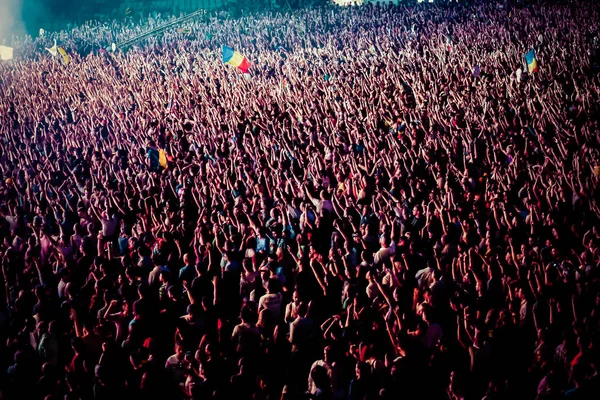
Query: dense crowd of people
x=388, y=206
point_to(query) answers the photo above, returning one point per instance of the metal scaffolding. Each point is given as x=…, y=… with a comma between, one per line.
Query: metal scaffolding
x=123, y=45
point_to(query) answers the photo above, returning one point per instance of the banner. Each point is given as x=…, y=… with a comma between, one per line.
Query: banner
x=6, y=53
x=347, y=3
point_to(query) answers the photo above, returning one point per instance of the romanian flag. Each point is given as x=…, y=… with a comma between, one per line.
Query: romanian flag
x=531, y=61
x=234, y=58
x=64, y=55
x=162, y=158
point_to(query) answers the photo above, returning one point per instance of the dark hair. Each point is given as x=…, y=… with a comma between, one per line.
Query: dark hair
x=320, y=377
x=248, y=315
x=302, y=309
x=166, y=274
x=364, y=368
x=273, y=285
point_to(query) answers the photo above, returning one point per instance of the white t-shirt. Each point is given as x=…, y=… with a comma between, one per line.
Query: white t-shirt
x=384, y=254
x=271, y=302
x=323, y=205
x=173, y=361
x=312, y=388
x=177, y=366
x=76, y=243
x=62, y=285
x=12, y=221
x=109, y=226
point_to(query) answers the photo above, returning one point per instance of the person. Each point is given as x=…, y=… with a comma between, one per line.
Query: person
x=320, y=379
x=178, y=363
x=333, y=371
x=433, y=222
x=302, y=330
x=152, y=154
x=360, y=386
x=188, y=271
x=154, y=275
x=48, y=346
x=291, y=309
x=245, y=335
x=272, y=300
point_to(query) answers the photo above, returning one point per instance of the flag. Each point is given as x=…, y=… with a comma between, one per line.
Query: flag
x=531, y=61
x=162, y=158
x=234, y=58
x=476, y=71
x=6, y=53
x=64, y=55
x=347, y=3
x=53, y=50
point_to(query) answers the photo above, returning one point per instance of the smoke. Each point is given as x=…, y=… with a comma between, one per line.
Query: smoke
x=21, y=17
x=11, y=20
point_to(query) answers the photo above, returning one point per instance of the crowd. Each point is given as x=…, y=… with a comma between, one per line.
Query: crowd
x=388, y=206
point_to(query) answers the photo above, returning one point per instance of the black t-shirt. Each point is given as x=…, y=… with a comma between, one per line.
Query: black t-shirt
x=307, y=285
x=82, y=270
x=191, y=331
x=202, y=286
x=203, y=390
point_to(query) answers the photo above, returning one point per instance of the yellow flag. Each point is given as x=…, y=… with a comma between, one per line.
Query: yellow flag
x=64, y=55
x=162, y=158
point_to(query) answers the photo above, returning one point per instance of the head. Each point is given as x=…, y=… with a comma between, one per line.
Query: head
x=302, y=310
x=328, y=354
x=179, y=350
x=362, y=370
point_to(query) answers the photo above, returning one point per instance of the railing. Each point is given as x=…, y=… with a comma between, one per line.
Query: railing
x=174, y=7
x=160, y=29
